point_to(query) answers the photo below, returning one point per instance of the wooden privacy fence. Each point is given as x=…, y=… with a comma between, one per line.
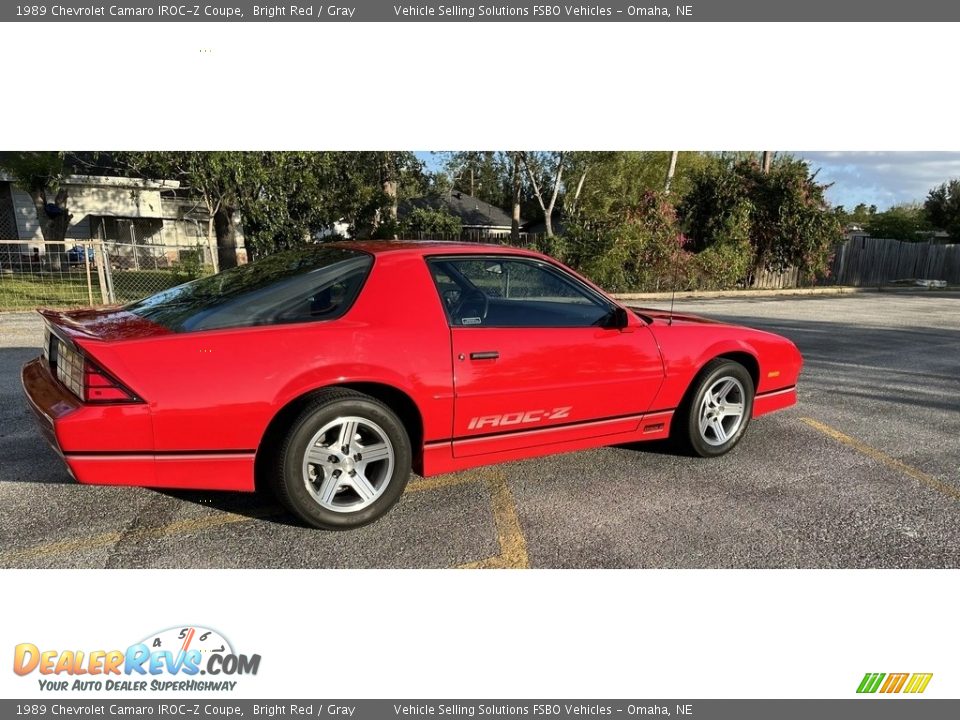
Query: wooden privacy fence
x=866, y=261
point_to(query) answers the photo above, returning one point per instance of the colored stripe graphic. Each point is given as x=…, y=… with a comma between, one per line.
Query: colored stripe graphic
x=918, y=683
x=870, y=682
x=895, y=683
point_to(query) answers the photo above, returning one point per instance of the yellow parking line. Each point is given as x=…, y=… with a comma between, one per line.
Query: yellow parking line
x=107, y=539
x=881, y=456
x=442, y=481
x=513, y=545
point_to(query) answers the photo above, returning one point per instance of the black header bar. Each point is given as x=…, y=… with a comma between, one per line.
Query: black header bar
x=513, y=11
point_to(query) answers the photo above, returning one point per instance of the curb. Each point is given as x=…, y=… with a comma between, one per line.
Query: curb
x=786, y=292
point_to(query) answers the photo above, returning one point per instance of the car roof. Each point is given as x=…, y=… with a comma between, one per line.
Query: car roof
x=431, y=247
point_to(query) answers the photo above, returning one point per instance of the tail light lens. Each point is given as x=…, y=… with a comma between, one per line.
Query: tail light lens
x=87, y=380
x=99, y=386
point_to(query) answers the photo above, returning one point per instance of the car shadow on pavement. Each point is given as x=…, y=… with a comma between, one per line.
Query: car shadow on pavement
x=25, y=457
x=654, y=447
x=259, y=505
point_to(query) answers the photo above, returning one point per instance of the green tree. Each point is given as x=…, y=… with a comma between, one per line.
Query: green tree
x=482, y=174
x=286, y=197
x=638, y=248
x=430, y=221
x=544, y=172
x=942, y=208
x=783, y=213
x=615, y=181
x=42, y=176
x=901, y=222
x=216, y=177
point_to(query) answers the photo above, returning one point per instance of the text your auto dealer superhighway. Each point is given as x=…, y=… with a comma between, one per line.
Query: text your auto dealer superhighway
x=85, y=11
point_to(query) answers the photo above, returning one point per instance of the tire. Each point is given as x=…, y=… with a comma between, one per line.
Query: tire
x=344, y=462
x=710, y=425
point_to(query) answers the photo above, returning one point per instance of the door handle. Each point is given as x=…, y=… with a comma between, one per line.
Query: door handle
x=485, y=355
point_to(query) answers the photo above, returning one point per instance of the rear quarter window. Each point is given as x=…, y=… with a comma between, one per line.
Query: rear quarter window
x=311, y=284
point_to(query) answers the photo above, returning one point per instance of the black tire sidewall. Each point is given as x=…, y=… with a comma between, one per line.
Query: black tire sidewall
x=293, y=492
x=712, y=373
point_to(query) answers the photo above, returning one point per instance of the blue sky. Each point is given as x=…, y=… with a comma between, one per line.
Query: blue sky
x=875, y=178
x=882, y=178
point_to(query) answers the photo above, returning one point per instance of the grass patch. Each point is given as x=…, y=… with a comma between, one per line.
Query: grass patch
x=25, y=291
x=29, y=290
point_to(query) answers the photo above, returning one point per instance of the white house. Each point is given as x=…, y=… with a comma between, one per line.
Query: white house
x=156, y=215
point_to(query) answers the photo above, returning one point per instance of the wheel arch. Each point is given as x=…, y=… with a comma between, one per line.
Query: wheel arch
x=397, y=400
x=742, y=357
x=748, y=360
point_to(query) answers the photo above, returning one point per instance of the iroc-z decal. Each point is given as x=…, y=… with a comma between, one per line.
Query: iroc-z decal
x=518, y=418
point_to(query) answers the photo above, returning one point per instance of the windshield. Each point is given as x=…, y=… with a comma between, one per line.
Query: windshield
x=314, y=283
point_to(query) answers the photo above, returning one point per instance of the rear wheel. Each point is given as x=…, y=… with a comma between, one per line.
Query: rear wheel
x=717, y=412
x=344, y=462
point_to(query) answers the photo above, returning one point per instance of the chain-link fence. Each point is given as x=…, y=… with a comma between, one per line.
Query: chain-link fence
x=82, y=273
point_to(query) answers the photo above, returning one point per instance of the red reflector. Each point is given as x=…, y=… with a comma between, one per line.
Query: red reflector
x=108, y=393
x=98, y=386
x=96, y=380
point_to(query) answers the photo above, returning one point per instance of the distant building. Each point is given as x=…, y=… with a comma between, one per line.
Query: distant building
x=539, y=227
x=114, y=209
x=479, y=219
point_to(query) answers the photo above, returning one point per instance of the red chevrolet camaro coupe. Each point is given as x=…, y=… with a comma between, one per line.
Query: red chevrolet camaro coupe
x=334, y=370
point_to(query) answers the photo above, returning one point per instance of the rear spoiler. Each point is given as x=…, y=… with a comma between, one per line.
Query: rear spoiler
x=99, y=326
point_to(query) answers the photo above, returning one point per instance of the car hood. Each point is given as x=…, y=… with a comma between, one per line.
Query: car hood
x=666, y=317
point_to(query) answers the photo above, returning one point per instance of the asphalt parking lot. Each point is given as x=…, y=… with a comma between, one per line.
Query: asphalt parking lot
x=864, y=472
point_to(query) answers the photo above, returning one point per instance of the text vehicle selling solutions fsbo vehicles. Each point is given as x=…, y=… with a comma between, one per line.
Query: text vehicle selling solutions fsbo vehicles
x=332, y=371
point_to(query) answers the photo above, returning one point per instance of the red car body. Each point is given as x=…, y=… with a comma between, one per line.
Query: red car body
x=196, y=408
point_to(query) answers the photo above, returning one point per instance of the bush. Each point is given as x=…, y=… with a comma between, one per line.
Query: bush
x=901, y=222
x=783, y=215
x=428, y=220
x=189, y=266
x=640, y=249
x=727, y=261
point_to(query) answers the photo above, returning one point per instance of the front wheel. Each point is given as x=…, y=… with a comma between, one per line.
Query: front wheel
x=345, y=461
x=719, y=409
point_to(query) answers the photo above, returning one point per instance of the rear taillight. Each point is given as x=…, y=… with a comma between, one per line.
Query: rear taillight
x=85, y=379
x=69, y=365
x=99, y=386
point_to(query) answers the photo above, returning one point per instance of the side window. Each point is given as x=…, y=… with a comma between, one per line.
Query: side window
x=329, y=300
x=498, y=291
x=450, y=291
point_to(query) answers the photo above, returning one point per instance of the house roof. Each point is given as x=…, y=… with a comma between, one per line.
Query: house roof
x=538, y=227
x=472, y=211
x=431, y=247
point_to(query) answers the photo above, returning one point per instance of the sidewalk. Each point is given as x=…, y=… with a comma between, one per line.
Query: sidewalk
x=833, y=290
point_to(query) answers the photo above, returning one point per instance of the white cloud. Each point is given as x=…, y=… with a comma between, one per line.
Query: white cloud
x=882, y=178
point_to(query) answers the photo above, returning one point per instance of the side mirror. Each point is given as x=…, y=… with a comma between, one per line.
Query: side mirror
x=619, y=318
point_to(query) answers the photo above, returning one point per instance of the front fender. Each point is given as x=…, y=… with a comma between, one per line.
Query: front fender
x=686, y=351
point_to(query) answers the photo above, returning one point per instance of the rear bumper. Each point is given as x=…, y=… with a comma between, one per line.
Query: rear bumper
x=776, y=400
x=182, y=471
x=113, y=444
x=47, y=398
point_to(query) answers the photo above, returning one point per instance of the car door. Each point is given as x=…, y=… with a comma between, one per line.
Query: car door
x=536, y=358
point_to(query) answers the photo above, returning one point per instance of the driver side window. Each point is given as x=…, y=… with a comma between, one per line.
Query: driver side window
x=501, y=291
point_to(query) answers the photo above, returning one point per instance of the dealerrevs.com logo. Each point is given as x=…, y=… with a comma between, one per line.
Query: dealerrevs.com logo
x=176, y=659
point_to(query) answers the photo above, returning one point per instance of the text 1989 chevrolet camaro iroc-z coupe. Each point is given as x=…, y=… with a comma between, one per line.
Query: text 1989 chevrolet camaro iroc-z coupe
x=333, y=370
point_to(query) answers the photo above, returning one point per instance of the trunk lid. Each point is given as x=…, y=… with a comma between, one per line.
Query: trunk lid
x=107, y=325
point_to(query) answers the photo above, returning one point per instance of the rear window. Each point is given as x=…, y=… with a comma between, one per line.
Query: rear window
x=315, y=283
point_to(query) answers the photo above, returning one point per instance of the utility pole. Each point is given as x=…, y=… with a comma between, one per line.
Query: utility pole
x=765, y=162
x=670, y=171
